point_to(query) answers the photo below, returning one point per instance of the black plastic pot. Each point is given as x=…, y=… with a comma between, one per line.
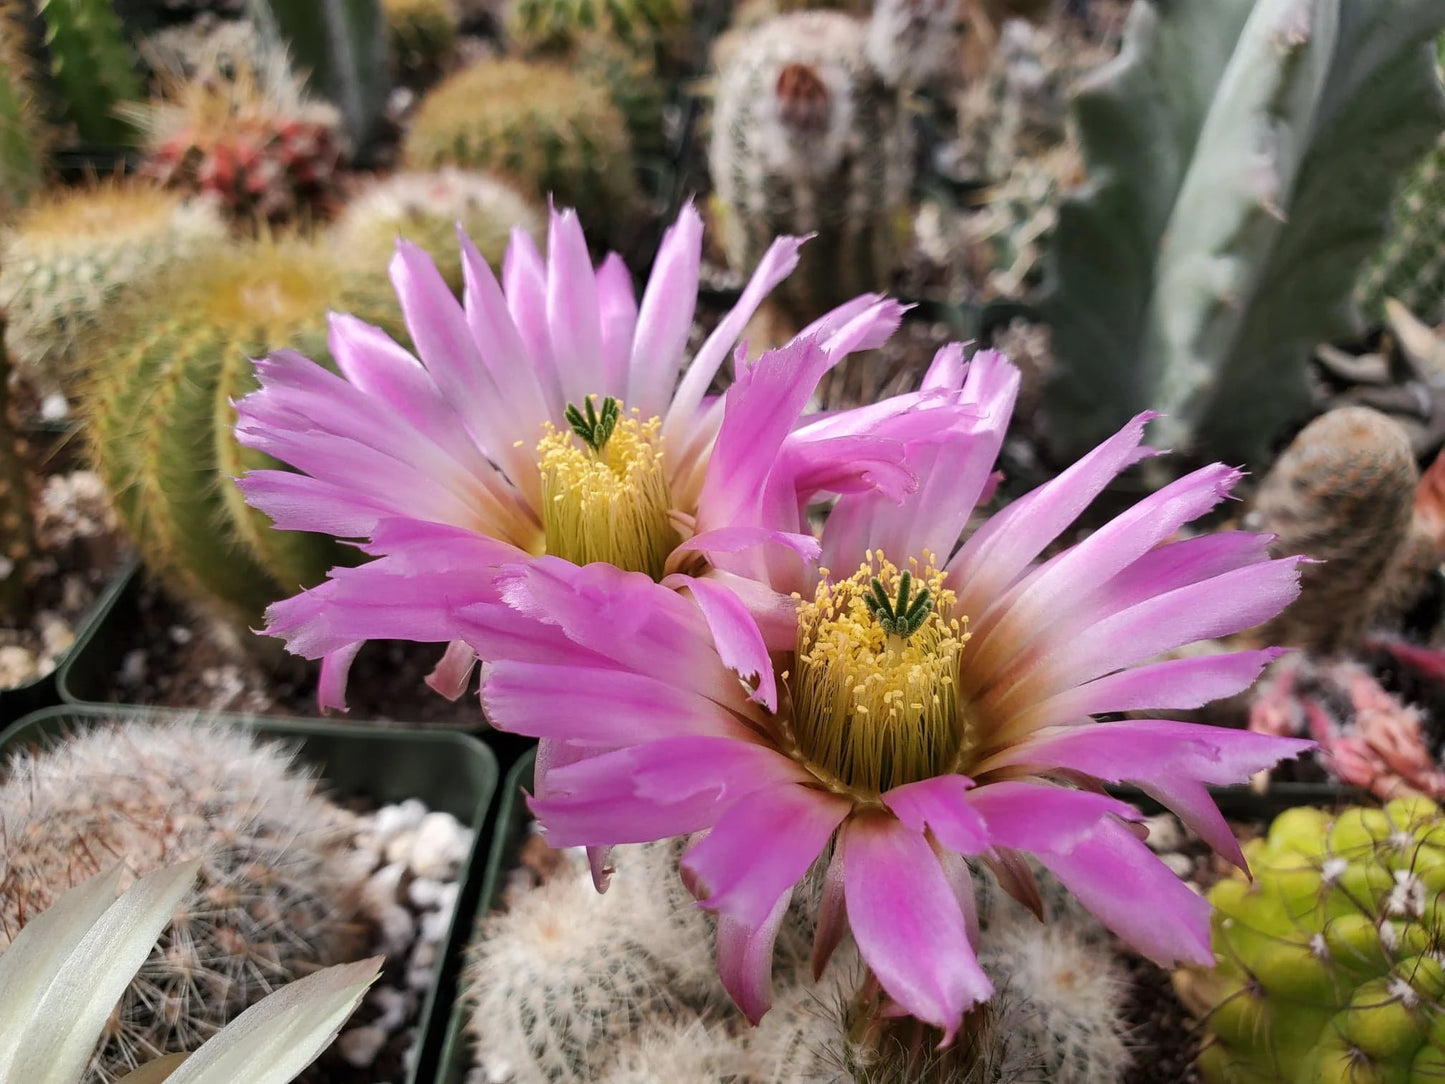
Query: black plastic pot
x=508, y=833
x=451, y=772
x=44, y=691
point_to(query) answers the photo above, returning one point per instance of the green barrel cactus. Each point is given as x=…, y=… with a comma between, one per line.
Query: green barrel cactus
x=1328, y=966
x=91, y=66
x=808, y=138
x=540, y=126
x=164, y=375
x=75, y=252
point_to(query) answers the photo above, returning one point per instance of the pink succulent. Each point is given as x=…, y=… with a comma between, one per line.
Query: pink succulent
x=916, y=706
x=551, y=413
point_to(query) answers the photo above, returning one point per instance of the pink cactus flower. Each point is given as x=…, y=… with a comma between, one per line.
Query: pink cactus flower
x=916, y=706
x=551, y=414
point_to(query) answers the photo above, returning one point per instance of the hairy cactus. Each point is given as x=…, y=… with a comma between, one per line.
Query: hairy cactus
x=563, y=980
x=808, y=138
x=91, y=66
x=425, y=208
x=1240, y=158
x=694, y=1051
x=420, y=34
x=1343, y=493
x=164, y=374
x=538, y=125
x=341, y=46
x=74, y=252
x=1327, y=966
x=275, y=897
x=22, y=128
x=245, y=135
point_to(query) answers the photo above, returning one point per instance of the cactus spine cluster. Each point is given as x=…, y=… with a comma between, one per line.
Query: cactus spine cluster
x=569, y=986
x=540, y=126
x=275, y=897
x=1328, y=965
x=420, y=34
x=91, y=65
x=1343, y=493
x=425, y=208
x=74, y=252
x=808, y=138
x=164, y=374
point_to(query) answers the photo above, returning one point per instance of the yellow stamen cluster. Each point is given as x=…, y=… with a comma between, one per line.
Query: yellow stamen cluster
x=873, y=709
x=609, y=504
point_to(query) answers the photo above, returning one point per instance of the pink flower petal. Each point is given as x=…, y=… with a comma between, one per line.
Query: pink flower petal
x=331, y=685
x=945, y=372
x=665, y=318
x=574, y=315
x=907, y=922
x=1166, y=759
x=760, y=848
x=940, y=805
x=832, y=917
x=593, y=706
x=739, y=643
x=452, y=674
x=671, y=787
x=745, y=959
x=1002, y=548
x=776, y=265
x=617, y=305
x=524, y=282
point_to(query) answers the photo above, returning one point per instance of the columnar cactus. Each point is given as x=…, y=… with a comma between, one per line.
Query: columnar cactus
x=22, y=128
x=74, y=252
x=1328, y=964
x=537, y=125
x=1343, y=493
x=164, y=373
x=809, y=138
x=92, y=66
x=276, y=895
x=17, y=521
x=425, y=209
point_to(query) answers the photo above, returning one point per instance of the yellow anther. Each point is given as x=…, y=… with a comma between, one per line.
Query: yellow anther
x=611, y=505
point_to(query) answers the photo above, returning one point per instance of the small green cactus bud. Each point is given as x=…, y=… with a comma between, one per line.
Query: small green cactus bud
x=1328, y=967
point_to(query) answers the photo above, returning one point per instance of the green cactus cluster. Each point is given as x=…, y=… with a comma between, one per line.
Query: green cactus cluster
x=808, y=138
x=91, y=66
x=23, y=133
x=1410, y=266
x=541, y=126
x=164, y=374
x=1328, y=965
x=74, y=252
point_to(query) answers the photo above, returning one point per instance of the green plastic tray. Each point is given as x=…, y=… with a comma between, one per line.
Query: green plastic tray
x=450, y=771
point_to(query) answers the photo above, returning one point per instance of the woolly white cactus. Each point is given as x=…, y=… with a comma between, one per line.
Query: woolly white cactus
x=913, y=42
x=425, y=208
x=275, y=895
x=691, y=1051
x=567, y=976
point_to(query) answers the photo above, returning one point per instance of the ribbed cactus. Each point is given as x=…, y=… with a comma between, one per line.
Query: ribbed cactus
x=808, y=138
x=1241, y=156
x=425, y=208
x=1343, y=493
x=341, y=45
x=74, y=252
x=276, y=895
x=92, y=66
x=1328, y=967
x=538, y=125
x=420, y=34
x=22, y=128
x=164, y=374
x=558, y=26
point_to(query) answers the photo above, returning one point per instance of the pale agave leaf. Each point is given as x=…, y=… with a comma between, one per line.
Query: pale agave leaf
x=32, y=959
x=273, y=1040
x=154, y=1072
x=73, y=1010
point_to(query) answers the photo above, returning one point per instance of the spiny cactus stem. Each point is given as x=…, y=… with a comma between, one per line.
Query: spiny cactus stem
x=17, y=525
